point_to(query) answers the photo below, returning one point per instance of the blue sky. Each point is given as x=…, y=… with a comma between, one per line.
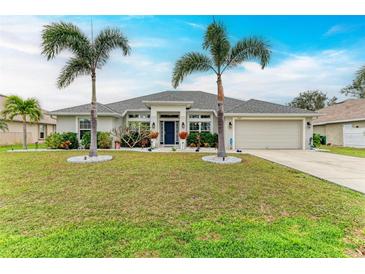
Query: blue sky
x=309, y=52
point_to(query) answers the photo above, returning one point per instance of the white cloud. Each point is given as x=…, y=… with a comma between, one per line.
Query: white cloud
x=336, y=29
x=196, y=26
x=328, y=71
x=25, y=72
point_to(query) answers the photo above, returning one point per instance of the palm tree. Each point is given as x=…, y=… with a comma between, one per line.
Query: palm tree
x=357, y=89
x=88, y=56
x=29, y=108
x=223, y=57
x=3, y=126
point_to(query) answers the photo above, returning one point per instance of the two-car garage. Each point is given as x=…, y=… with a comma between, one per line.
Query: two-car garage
x=268, y=134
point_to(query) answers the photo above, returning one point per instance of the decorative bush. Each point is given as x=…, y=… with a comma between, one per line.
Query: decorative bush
x=86, y=139
x=54, y=140
x=206, y=139
x=183, y=135
x=316, y=140
x=153, y=135
x=66, y=140
x=104, y=140
x=70, y=137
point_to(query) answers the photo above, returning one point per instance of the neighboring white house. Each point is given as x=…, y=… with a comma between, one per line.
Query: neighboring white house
x=251, y=124
x=343, y=123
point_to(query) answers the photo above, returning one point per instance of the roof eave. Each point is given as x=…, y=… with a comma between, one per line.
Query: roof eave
x=274, y=114
x=338, y=121
x=84, y=114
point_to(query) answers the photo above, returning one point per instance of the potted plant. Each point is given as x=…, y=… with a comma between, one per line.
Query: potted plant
x=117, y=144
x=183, y=135
x=153, y=136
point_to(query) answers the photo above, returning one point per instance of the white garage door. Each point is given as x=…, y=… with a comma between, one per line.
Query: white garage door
x=268, y=134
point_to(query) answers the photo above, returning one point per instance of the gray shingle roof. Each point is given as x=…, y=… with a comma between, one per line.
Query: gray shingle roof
x=101, y=109
x=257, y=106
x=202, y=100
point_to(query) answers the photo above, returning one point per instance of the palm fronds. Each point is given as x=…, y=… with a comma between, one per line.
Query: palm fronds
x=189, y=63
x=14, y=105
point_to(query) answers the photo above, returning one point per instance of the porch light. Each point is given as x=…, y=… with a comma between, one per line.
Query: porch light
x=182, y=125
x=230, y=124
x=153, y=125
x=309, y=124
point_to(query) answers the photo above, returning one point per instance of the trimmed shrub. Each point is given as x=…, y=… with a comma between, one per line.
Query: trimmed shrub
x=54, y=140
x=66, y=140
x=86, y=139
x=207, y=139
x=71, y=137
x=104, y=140
x=316, y=140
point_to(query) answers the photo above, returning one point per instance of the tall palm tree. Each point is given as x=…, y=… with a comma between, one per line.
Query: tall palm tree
x=88, y=56
x=28, y=108
x=3, y=126
x=222, y=57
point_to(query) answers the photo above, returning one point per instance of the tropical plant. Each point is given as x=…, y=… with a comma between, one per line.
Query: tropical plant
x=357, y=88
x=3, y=126
x=132, y=137
x=203, y=138
x=104, y=140
x=312, y=100
x=54, y=140
x=88, y=56
x=28, y=108
x=223, y=56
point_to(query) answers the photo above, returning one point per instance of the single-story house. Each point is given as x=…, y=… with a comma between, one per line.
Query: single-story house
x=251, y=124
x=36, y=132
x=343, y=123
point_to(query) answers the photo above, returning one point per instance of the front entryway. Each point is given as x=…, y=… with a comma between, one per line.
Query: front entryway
x=169, y=132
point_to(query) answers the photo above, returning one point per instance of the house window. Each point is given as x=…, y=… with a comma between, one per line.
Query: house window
x=194, y=116
x=194, y=126
x=136, y=126
x=144, y=116
x=42, y=131
x=199, y=126
x=133, y=115
x=205, y=126
x=203, y=116
x=84, y=126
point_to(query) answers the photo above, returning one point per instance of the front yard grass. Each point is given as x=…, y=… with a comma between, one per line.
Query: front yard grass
x=19, y=146
x=172, y=205
x=349, y=151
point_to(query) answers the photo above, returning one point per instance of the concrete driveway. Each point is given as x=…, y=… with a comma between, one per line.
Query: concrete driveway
x=343, y=170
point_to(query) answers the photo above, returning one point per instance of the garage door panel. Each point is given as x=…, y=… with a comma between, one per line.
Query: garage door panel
x=268, y=134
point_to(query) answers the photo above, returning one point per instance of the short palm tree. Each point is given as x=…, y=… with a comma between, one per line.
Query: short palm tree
x=28, y=108
x=88, y=56
x=3, y=126
x=222, y=57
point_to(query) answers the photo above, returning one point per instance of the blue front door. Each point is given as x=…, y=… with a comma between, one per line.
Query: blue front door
x=169, y=133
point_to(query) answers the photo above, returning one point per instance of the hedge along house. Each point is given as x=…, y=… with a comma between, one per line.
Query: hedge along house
x=251, y=124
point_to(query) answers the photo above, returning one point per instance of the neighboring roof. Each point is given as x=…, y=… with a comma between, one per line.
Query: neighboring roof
x=200, y=101
x=257, y=106
x=346, y=111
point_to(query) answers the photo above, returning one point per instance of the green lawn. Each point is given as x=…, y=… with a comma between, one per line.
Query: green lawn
x=172, y=205
x=19, y=146
x=349, y=151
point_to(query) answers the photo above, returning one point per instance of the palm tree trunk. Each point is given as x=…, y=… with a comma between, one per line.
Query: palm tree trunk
x=25, y=132
x=93, y=141
x=221, y=143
